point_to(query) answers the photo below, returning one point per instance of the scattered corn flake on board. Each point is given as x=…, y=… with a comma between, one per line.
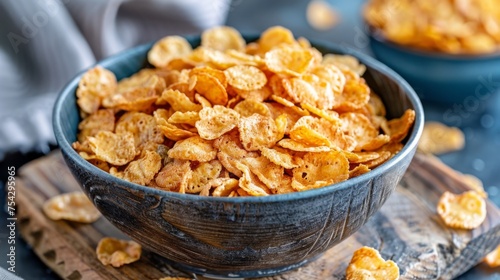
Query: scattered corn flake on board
x=406, y=230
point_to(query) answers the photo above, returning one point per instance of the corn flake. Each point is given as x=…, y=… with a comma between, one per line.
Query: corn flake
x=202, y=175
x=167, y=49
x=345, y=61
x=318, y=132
x=248, y=107
x=139, y=99
x=300, y=147
x=117, y=149
x=376, y=142
x=230, y=144
x=94, y=86
x=223, y=38
x=354, y=96
x=493, y=258
x=258, y=95
x=142, y=126
x=211, y=88
x=320, y=15
x=194, y=149
x=358, y=170
x=306, y=131
x=300, y=91
x=250, y=183
x=146, y=78
x=224, y=186
x=359, y=127
x=245, y=77
x=104, y=166
x=184, y=118
x=216, y=59
x=216, y=121
x=175, y=133
x=320, y=169
x=257, y=132
x=269, y=174
x=397, y=129
x=245, y=58
x=174, y=176
x=281, y=157
x=383, y=156
x=143, y=170
x=366, y=263
x=101, y=120
x=229, y=163
x=117, y=252
x=277, y=110
x=273, y=37
x=437, y=138
x=463, y=211
x=360, y=157
x=289, y=60
x=178, y=100
x=217, y=74
x=73, y=206
x=328, y=115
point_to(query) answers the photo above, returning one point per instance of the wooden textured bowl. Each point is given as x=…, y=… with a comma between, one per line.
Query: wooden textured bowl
x=244, y=236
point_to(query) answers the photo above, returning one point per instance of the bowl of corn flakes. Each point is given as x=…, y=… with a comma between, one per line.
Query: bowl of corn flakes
x=238, y=156
x=449, y=51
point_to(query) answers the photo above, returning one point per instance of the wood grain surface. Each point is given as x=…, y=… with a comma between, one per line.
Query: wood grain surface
x=406, y=230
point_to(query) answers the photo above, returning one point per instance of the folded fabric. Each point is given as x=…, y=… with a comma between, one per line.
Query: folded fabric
x=7, y=275
x=46, y=42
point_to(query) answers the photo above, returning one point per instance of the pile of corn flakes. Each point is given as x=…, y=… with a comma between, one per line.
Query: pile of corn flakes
x=449, y=26
x=231, y=118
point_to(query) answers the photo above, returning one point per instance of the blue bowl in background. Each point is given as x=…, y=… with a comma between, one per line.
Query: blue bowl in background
x=439, y=77
x=242, y=236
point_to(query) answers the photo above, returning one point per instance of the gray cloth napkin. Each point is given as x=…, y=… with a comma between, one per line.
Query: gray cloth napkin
x=7, y=275
x=43, y=43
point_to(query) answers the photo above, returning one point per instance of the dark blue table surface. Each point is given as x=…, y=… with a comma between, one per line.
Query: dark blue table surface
x=480, y=120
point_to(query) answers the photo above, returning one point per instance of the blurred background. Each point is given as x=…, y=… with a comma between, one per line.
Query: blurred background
x=44, y=43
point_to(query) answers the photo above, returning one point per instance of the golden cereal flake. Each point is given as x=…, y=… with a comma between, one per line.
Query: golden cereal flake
x=216, y=121
x=167, y=49
x=94, y=86
x=367, y=264
x=438, y=138
x=117, y=149
x=493, y=258
x=73, y=206
x=463, y=211
x=117, y=252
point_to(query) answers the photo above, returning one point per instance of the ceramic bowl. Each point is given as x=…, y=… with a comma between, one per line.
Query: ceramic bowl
x=243, y=236
x=438, y=77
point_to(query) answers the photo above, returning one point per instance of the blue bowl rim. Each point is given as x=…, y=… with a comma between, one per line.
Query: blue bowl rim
x=377, y=36
x=368, y=61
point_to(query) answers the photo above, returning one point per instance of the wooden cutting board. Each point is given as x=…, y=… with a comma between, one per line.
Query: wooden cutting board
x=406, y=230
